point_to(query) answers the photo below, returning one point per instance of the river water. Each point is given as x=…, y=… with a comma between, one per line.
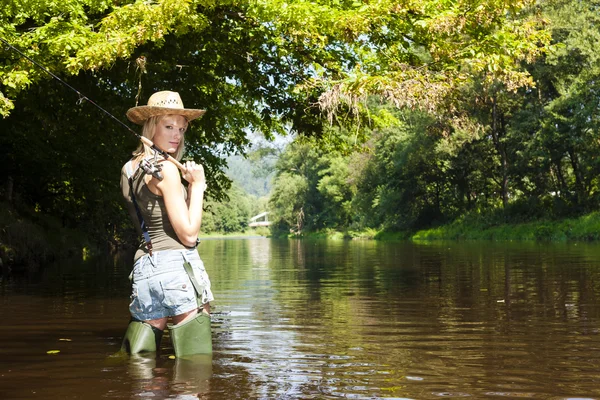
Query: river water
x=300, y=319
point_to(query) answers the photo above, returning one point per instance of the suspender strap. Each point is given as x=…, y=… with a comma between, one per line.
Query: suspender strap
x=137, y=210
x=199, y=288
x=141, y=219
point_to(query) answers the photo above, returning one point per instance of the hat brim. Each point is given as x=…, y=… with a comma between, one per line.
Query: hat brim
x=140, y=114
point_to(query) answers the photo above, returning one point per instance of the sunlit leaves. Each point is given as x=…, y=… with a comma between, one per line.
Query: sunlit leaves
x=5, y=105
x=412, y=52
x=75, y=35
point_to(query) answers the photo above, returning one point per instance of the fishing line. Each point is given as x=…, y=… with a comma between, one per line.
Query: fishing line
x=83, y=97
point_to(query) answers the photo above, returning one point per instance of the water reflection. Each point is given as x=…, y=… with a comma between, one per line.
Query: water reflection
x=326, y=319
x=184, y=378
x=355, y=319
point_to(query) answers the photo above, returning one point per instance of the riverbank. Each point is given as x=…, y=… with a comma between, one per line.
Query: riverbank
x=332, y=234
x=250, y=232
x=584, y=228
x=368, y=234
x=29, y=239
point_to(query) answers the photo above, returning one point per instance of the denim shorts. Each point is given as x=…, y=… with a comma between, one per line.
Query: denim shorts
x=162, y=288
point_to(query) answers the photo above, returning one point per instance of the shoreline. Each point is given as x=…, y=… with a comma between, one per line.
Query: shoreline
x=25, y=244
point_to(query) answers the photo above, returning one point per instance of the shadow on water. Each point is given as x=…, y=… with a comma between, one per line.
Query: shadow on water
x=308, y=319
x=63, y=329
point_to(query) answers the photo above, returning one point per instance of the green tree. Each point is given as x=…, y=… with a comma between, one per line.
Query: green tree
x=260, y=66
x=558, y=122
x=208, y=66
x=404, y=181
x=287, y=202
x=337, y=191
x=228, y=215
x=573, y=116
x=295, y=200
x=414, y=52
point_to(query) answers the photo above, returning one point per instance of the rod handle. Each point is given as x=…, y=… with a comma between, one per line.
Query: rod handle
x=149, y=143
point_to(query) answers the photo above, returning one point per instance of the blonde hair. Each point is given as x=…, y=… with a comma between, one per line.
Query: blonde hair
x=148, y=131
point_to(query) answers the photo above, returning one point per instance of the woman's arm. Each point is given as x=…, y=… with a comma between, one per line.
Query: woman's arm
x=186, y=217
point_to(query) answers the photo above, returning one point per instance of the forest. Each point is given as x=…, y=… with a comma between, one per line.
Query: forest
x=405, y=115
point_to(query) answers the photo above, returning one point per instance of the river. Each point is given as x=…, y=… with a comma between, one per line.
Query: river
x=319, y=319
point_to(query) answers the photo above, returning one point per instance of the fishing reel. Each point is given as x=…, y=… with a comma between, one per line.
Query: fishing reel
x=152, y=167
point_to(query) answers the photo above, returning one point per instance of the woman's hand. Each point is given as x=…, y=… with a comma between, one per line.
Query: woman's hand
x=194, y=173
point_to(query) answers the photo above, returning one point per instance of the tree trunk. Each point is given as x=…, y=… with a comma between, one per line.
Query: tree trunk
x=498, y=129
x=579, y=186
x=563, y=190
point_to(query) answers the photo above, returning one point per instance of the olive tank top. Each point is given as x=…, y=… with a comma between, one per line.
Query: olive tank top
x=153, y=210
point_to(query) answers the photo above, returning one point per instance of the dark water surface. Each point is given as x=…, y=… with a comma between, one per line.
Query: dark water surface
x=323, y=320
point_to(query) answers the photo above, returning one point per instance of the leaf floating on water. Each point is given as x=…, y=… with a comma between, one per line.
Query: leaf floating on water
x=65, y=340
x=53, y=351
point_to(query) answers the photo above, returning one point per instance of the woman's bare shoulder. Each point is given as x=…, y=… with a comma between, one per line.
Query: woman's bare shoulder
x=128, y=166
x=169, y=168
x=170, y=174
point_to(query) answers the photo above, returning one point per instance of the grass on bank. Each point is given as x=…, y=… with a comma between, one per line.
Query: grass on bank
x=584, y=228
x=332, y=234
x=260, y=231
x=478, y=227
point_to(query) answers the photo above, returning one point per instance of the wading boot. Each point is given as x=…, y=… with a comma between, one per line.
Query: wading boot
x=141, y=337
x=192, y=336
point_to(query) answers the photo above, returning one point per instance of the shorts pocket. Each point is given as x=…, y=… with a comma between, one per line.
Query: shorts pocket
x=177, y=290
x=134, y=304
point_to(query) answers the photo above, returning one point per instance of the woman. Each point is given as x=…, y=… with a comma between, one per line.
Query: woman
x=168, y=278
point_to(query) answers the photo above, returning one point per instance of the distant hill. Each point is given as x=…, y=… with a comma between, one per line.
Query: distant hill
x=253, y=175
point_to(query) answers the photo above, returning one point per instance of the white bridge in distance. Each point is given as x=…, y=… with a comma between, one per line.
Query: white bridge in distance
x=259, y=220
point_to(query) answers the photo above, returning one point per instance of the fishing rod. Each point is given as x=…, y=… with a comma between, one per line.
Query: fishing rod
x=152, y=169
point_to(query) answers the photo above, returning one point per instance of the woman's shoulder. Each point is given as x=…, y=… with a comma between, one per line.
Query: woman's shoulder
x=128, y=168
x=169, y=168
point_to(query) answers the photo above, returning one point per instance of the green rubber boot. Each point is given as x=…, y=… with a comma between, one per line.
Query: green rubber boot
x=192, y=336
x=141, y=337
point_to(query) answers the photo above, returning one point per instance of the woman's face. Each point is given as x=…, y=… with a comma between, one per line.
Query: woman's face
x=169, y=132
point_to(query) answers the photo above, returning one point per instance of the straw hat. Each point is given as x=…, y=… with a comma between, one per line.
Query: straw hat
x=162, y=103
